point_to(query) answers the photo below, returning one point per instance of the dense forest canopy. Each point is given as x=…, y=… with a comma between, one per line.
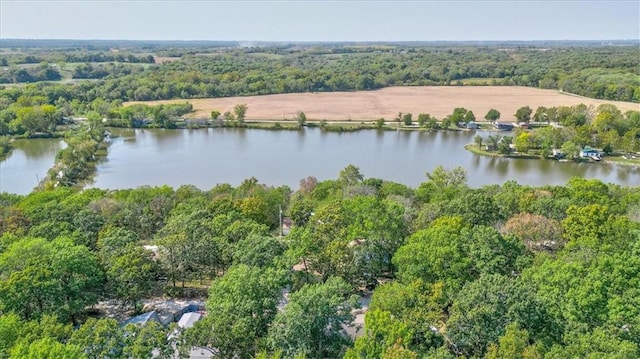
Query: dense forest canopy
x=501, y=271
x=495, y=272
x=605, y=71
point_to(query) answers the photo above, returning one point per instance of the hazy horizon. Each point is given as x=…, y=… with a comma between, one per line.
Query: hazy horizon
x=321, y=21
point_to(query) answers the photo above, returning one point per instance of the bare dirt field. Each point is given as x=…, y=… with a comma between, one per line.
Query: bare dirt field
x=438, y=101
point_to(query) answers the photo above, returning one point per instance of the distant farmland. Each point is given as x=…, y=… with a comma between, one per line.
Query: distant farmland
x=438, y=101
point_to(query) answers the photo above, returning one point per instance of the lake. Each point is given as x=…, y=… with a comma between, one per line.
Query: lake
x=27, y=163
x=206, y=157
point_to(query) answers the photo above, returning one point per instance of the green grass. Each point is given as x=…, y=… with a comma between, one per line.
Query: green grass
x=473, y=148
x=273, y=125
x=623, y=161
x=479, y=81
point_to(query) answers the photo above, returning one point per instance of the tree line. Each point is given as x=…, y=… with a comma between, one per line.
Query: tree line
x=600, y=72
x=492, y=272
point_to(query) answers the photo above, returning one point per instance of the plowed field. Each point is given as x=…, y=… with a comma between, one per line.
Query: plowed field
x=438, y=101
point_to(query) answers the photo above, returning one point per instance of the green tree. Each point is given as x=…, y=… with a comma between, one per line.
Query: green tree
x=483, y=308
x=597, y=344
x=541, y=114
x=492, y=115
x=630, y=141
x=423, y=118
x=478, y=141
x=147, y=341
x=244, y=300
x=523, y=114
x=442, y=183
x=240, y=110
x=38, y=277
x=523, y=142
x=301, y=118
x=350, y=176
x=79, y=277
x=46, y=348
x=312, y=322
x=300, y=212
x=570, y=149
x=458, y=114
x=469, y=116
x=100, y=338
x=446, y=122
x=379, y=123
x=476, y=207
x=258, y=251
x=10, y=326
x=435, y=254
x=229, y=118
x=131, y=274
x=407, y=119
x=513, y=344
x=382, y=331
x=215, y=115
x=37, y=118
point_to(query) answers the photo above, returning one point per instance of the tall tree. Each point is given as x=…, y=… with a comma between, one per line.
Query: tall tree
x=478, y=141
x=301, y=119
x=469, y=116
x=523, y=114
x=483, y=309
x=240, y=111
x=492, y=115
x=407, y=119
x=38, y=277
x=313, y=322
x=131, y=274
x=100, y=338
x=244, y=302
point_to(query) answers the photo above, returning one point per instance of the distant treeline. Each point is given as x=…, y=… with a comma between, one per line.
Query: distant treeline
x=609, y=72
x=75, y=57
x=43, y=72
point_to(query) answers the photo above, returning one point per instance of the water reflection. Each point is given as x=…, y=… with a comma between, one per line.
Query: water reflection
x=209, y=156
x=27, y=163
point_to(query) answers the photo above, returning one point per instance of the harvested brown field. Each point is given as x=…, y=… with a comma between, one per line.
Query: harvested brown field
x=438, y=101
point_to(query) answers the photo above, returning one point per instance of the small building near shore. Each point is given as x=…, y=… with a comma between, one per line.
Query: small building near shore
x=503, y=126
x=472, y=125
x=589, y=152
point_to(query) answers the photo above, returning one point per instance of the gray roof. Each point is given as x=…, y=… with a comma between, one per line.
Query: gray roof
x=142, y=319
x=189, y=319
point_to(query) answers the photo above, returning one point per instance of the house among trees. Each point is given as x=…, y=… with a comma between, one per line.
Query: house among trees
x=503, y=126
x=557, y=153
x=142, y=319
x=589, y=152
x=189, y=319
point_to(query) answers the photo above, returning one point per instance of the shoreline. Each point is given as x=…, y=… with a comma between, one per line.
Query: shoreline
x=610, y=160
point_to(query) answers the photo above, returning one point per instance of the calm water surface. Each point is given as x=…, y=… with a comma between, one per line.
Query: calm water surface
x=27, y=163
x=207, y=157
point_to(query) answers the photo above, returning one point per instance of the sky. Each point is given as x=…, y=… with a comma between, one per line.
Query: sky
x=321, y=20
